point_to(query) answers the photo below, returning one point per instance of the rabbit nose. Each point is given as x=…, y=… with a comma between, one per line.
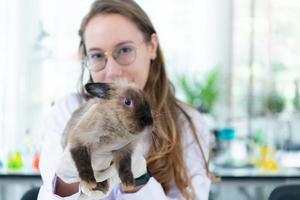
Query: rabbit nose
x=146, y=120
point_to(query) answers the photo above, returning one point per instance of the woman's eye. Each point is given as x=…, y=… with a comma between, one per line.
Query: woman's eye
x=125, y=50
x=128, y=102
x=96, y=56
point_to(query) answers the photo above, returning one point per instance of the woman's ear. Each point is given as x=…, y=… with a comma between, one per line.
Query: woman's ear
x=153, y=46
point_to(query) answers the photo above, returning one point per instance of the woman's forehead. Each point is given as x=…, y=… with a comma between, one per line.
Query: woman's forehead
x=106, y=31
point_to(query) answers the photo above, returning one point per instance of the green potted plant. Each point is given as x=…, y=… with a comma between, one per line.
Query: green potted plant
x=274, y=103
x=201, y=95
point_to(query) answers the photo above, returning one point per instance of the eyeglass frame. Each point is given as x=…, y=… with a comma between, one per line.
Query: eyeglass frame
x=111, y=53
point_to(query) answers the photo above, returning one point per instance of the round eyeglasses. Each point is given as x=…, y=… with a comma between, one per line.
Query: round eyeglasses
x=124, y=55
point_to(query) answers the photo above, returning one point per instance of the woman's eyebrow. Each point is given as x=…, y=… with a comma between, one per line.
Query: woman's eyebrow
x=117, y=45
x=95, y=49
x=124, y=42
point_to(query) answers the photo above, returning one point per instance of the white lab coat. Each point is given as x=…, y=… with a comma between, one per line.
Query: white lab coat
x=52, y=150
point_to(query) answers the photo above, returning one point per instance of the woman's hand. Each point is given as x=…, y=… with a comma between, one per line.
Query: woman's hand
x=102, y=171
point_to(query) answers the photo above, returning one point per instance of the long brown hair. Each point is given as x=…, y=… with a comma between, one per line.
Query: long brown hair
x=165, y=156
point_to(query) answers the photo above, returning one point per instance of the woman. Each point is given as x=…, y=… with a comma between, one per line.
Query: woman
x=118, y=41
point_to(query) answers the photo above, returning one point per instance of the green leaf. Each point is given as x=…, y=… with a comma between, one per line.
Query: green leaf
x=199, y=94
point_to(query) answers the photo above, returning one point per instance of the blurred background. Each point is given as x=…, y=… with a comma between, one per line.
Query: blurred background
x=236, y=61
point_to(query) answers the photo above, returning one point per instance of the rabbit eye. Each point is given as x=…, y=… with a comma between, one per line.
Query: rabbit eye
x=128, y=102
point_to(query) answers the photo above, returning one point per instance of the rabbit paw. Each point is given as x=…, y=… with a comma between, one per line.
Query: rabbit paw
x=89, y=185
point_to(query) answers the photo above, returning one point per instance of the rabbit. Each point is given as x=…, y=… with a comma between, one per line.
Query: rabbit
x=117, y=115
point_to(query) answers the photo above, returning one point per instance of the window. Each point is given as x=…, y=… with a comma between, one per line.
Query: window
x=265, y=47
x=275, y=51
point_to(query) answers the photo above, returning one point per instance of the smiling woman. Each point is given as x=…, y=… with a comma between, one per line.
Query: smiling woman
x=169, y=150
x=39, y=61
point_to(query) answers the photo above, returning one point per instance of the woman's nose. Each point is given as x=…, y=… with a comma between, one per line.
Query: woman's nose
x=113, y=69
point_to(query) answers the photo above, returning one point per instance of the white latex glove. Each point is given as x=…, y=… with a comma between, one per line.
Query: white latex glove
x=67, y=170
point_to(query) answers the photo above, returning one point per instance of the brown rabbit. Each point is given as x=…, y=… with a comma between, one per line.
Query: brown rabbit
x=114, y=120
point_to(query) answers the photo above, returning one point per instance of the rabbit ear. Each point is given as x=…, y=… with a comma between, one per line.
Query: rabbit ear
x=100, y=90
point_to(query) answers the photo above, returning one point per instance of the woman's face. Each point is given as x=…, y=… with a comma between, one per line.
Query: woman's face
x=117, y=39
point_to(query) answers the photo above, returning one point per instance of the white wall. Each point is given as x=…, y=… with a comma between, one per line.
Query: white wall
x=18, y=24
